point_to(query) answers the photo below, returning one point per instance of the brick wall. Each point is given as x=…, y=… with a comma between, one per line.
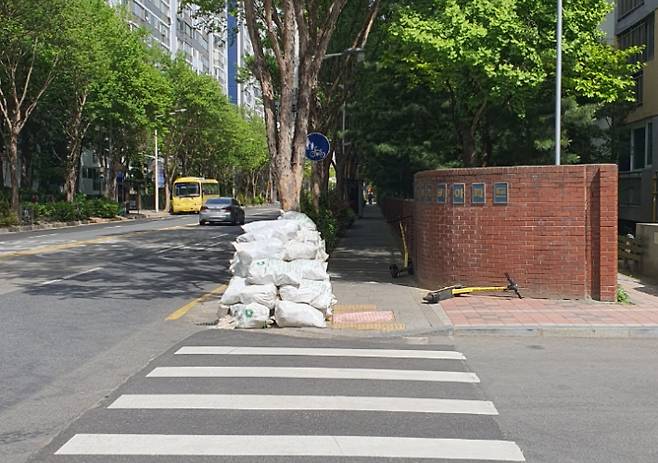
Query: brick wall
x=557, y=235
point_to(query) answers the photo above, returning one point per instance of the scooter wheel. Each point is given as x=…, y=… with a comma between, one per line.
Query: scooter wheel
x=395, y=271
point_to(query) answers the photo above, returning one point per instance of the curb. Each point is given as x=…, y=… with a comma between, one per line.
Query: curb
x=60, y=225
x=566, y=331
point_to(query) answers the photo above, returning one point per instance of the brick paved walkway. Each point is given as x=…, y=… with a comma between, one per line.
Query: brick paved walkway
x=493, y=311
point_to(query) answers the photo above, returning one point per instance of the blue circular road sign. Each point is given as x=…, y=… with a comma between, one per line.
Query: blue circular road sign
x=317, y=146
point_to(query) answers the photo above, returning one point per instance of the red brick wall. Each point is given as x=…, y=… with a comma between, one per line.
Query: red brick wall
x=557, y=236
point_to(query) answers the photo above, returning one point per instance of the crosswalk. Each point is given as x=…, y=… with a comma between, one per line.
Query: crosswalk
x=271, y=398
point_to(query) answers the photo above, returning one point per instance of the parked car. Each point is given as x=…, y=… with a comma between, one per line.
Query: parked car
x=221, y=210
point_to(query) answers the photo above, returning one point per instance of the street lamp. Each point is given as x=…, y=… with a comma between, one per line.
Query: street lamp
x=558, y=86
x=155, y=158
x=360, y=56
x=358, y=51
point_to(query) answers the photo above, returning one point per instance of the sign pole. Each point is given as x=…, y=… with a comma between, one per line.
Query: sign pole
x=155, y=171
x=558, y=87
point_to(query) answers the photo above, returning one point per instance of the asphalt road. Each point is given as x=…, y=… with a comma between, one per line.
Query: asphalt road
x=84, y=308
x=572, y=400
x=269, y=398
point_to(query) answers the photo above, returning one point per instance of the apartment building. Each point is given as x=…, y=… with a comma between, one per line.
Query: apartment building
x=635, y=25
x=174, y=29
x=220, y=55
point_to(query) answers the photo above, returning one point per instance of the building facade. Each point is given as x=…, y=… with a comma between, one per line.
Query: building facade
x=173, y=29
x=220, y=55
x=635, y=25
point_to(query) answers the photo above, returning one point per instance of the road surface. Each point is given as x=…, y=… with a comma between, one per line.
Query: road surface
x=84, y=308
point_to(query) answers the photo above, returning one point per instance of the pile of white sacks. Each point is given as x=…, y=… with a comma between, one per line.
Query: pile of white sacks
x=280, y=274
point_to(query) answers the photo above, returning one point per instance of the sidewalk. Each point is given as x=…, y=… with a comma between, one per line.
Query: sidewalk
x=369, y=299
x=503, y=315
x=371, y=302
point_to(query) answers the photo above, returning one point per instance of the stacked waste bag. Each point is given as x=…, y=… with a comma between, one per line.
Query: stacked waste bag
x=280, y=275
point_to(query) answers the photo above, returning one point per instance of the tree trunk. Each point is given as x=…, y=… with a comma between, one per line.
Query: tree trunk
x=468, y=148
x=75, y=133
x=69, y=185
x=26, y=164
x=72, y=168
x=111, y=182
x=320, y=181
x=12, y=151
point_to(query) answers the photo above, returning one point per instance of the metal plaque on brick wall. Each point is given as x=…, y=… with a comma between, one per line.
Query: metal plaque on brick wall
x=441, y=193
x=458, y=193
x=501, y=193
x=478, y=193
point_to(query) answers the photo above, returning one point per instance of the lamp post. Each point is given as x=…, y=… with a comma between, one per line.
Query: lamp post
x=558, y=86
x=155, y=158
x=360, y=56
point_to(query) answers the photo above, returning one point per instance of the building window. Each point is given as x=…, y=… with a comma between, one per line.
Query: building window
x=627, y=6
x=639, y=148
x=650, y=144
x=642, y=34
x=639, y=88
x=624, y=154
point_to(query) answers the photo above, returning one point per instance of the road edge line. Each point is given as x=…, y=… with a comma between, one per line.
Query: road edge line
x=182, y=311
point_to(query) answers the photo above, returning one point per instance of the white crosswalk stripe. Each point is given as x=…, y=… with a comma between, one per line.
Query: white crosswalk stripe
x=320, y=352
x=336, y=402
x=310, y=373
x=307, y=446
x=297, y=402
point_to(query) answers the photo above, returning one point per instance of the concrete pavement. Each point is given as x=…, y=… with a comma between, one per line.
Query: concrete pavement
x=365, y=289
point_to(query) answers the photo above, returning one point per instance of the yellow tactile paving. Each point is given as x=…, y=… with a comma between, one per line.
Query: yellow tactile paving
x=380, y=326
x=344, y=308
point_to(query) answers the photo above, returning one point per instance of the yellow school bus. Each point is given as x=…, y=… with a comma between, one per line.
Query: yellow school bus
x=190, y=193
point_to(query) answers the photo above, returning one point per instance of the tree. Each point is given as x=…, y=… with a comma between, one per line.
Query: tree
x=30, y=31
x=134, y=92
x=86, y=71
x=294, y=35
x=499, y=53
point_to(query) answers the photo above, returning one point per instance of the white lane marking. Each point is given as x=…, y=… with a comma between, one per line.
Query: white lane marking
x=321, y=352
x=288, y=445
x=303, y=402
x=117, y=226
x=68, y=277
x=319, y=373
x=169, y=249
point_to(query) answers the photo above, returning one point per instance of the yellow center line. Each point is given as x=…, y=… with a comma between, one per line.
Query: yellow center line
x=55, y=247
x=75, y=244
x=179, y=313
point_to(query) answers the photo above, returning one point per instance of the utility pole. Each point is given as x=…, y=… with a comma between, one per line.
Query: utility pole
x=155, y=157
x=558, y=87
x=155, y=172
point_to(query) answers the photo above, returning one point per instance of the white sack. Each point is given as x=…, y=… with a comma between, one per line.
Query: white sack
x=308, y=236
x=261, y=225
x=315, y=293
x=246, y=253
x=251, y=315
x=273, y=271
x=232, y=294
x=302, y=219
x=259, y=294
x=285, y=232
x=310, y=269
x=294, y=250
x=291, y=314
x=322, y=253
